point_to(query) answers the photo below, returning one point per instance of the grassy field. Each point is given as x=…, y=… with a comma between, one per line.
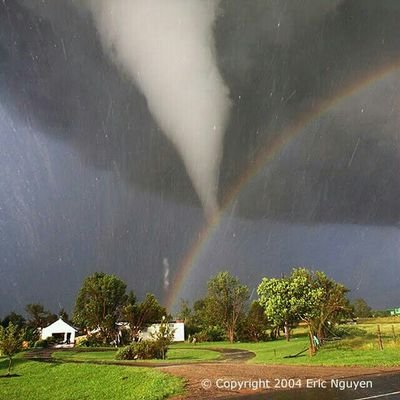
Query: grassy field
x=45, y=381
x=359, y=350
x=88, y=381
x=182, y=353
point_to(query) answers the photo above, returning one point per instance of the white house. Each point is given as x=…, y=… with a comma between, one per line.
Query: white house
x=177, y=327
x=61, y=331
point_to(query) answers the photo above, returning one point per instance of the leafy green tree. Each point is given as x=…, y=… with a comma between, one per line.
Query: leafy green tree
x=185, y=312
x=38, y=318
x=200, y=323
x=333, y=306
x=16, y=319
x=226, y=301
x=99, y=304
x=10, y=342
x=188, y=316
x=256, y=324
x=305, y=296
x=201, y=317
x=138, y=315
x=361, y=309
x=381, y=313
x=283, y=299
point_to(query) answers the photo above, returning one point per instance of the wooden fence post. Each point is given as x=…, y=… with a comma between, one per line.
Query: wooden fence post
x=394, y=334
x=380, y=343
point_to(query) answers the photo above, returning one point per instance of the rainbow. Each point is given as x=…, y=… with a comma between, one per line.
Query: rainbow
x=266, y=154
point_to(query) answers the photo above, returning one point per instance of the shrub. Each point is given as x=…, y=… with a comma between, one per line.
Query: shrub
x=144, y=350
x=81, y=342
x=10, y=342
x=90, y=341
x=126, y=353
x=163, y=338
x=42, y=343
x=157, y=347
x=211, y=334
x=349, y=331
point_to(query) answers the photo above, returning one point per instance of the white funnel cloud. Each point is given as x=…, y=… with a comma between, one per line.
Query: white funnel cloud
x=167, y=48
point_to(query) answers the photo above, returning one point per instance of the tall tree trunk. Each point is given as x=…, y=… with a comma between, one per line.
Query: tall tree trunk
x=321, y=334
x=287, y=333
x=9, y=365
x=311, y=337
x=231, y=335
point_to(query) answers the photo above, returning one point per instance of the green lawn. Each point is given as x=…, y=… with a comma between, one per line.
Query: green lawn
x=360, y=351
x=86, y=381
x=185, y=353
x=45, y=381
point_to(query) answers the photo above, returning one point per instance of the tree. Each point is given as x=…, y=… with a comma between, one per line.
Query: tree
x=275, y=298
x=187, y=315
x=10, y=342
x=361, y=309
x=225, y=302
x=333, y=304
x=99, y=304
x=138, y=315
x=256, y=323
x=163, y=337
x=304, y=296
x=63, y=315
x=185, y=311
x=17, y=320
x=38, y=318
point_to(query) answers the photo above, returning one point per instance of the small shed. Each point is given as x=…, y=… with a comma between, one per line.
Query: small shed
x=61, y=331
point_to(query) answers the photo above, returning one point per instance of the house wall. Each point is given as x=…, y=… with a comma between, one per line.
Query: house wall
x=179, y=331
x=58, y=327
x=49, y=332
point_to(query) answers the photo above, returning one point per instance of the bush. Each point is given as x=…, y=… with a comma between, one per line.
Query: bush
x=144, y=350
x=44, y=343
x=41, y=343
x=126, y=353
x=81, y=342
x=349, y=331
x=90, y=341
x=211, y=334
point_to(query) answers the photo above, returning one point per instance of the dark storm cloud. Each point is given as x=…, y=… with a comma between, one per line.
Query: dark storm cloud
x=278, y=59
x=362, y=257
x=89, y=182
x=55, y=74
x=286, y=70
x=343, y=167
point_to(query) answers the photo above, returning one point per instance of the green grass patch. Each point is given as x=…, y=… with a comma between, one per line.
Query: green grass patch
x=66, y=381
x=175, y=354
x=350, y=351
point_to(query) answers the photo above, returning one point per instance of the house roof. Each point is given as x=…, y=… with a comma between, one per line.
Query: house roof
x=60, y=326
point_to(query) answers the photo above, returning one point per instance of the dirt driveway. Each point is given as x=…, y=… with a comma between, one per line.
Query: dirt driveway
x=202, y=379
x=209, y=380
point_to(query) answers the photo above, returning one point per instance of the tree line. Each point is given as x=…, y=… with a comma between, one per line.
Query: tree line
x=304, y=297
x=224, y=313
